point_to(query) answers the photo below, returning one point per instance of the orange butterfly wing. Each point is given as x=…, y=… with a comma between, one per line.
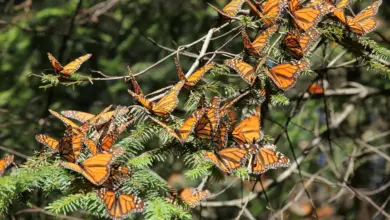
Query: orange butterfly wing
x=5, y=162
x=108, y=140
x=189, y=124
x=230, y=10
x=118, y=205
x=228, y=159
x=221, y=138
x=315, y=89
x=308, y=17
x=246, y=71
x=96, y=168
x=169, y=102
x=248, y=130
x=364, y=22
x=118, y=174
x=141, y=99
x=47, y=141
x=84, y=116
x=196, y=76
x=208, y=125
x=291, y=44
x=368, y=12
x=257, y=47
x=266, y=158
x=65, y=149
x=54, y=62
x=272, y=10
x=192, y=196
x=73, y=66
x=285, y=75
x=67, y=122
x=297, y=43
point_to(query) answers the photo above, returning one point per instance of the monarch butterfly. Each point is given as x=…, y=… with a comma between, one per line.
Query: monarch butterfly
x=249, y=129
x=5, y=162
x=163, y=107
x=94, y=121
x=74, y=133
x=338, y=10
x=207, y=126
x=297, y=43
x=265, y=158
x=67, y=70
x=221, y=138
x=229, y=159
x=316, y=89
x=271, y=10
x=65, y=147
x=84, y=116
x=118, y=174
x=246, y=71
x=119, y=205
x=256, y=48
x=190, y=196
x=196, y=76
x=230, y=10
x=188, y=125
x=308, y=17
x=285, y=75
x=96, y=168
x=77, y=135
x=364, y=22
x=106, y=138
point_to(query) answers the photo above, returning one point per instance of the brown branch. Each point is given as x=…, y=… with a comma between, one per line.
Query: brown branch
x=40, y=210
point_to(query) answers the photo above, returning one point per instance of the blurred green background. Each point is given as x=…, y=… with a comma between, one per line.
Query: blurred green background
x=116, y=32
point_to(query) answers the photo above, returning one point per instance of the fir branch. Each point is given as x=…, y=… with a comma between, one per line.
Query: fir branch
x=71, y=203
x=160, y=209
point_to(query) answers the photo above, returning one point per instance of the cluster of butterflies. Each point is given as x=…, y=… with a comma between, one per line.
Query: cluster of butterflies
x=213, y=122
x=96, y=136
x=306, y=14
